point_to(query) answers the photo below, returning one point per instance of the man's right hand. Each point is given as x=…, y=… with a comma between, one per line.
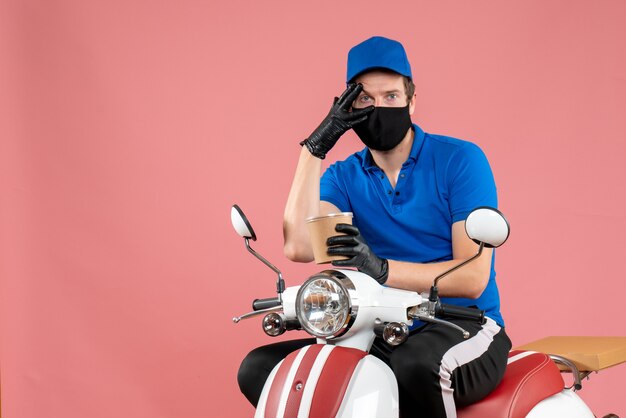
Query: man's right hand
x=339, y=120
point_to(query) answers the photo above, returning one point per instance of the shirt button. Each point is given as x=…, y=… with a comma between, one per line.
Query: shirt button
x=397, y=193
x=389, y=192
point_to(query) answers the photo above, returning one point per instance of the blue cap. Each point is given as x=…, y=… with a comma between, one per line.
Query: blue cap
x=378, y=52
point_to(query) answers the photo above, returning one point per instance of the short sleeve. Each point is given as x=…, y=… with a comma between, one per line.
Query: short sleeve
x=470, y=182
x=332, y=189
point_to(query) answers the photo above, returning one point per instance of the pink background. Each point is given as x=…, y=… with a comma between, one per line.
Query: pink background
x=128, y=128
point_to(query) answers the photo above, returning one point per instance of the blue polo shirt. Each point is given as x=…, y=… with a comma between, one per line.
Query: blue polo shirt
x=439, y=184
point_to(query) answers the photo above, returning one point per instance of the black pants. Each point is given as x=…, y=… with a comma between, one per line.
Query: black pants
x=437, y=370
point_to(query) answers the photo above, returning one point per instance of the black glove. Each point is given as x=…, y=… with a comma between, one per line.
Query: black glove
x=338, y=121
x=361, y=255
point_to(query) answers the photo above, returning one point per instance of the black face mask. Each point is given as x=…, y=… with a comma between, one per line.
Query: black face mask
x=384, y=128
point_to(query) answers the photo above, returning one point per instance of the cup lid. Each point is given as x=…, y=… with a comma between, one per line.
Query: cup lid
x=330, y=215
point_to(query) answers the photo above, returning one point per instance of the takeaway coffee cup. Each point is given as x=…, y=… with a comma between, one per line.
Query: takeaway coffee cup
x=323, y=227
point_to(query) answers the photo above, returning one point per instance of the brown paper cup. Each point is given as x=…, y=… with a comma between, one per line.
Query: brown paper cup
x=323, y=227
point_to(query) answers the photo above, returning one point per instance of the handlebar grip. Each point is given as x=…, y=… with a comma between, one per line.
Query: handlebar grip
x=460, y=312
x=259, y=304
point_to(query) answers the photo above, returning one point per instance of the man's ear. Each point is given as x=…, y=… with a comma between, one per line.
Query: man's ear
x=412, y=104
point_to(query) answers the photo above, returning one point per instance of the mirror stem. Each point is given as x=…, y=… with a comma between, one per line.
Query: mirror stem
x=280, y=283
x=434, y=291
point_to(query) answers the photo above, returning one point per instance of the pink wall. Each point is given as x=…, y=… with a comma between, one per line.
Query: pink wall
x=128, y=129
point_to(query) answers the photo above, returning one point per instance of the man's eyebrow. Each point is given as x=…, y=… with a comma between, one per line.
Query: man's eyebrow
x=386, y=92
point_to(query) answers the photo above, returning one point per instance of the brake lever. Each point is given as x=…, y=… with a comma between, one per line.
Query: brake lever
x=259, y=312
x=428, y=318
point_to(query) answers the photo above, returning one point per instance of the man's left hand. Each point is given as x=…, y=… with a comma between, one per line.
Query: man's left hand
x=362, y=257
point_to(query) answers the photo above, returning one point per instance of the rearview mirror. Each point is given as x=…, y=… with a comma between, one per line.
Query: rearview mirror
x=241, y=224
x=245, y=231
x=488, y=226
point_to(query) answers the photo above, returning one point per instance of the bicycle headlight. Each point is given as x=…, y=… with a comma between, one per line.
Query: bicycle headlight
x=323, y=304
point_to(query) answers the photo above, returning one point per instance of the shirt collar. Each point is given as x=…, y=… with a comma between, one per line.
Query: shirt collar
x=418, y=140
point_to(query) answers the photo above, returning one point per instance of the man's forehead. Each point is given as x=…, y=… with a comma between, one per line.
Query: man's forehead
x=381, y=82
x=378, y=89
